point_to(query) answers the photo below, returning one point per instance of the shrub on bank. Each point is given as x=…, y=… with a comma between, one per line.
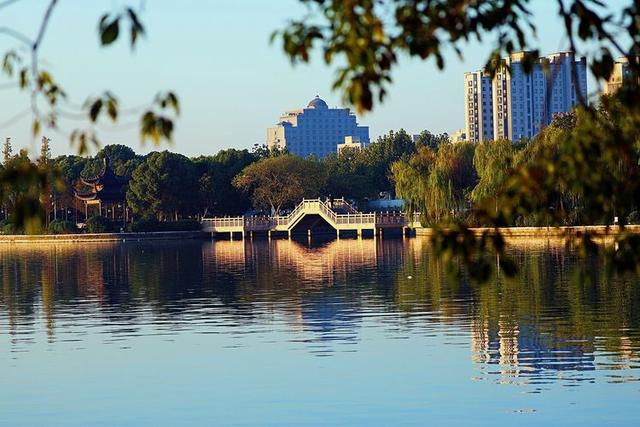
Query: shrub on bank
x=182, y=225
x=6, y=227
x=634, y=218
x=99, y=224
x=150, y=224
x=144, y=224
x=60, y=226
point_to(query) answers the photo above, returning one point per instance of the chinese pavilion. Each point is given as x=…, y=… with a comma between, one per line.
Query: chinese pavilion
x=106, y=191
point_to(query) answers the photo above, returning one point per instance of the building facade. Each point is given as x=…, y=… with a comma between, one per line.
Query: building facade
x=478, y=101
x=457, y=136
x=316, y=130
x=515, y=104
x=350, y=143
x=524, y=103
x=621, y=73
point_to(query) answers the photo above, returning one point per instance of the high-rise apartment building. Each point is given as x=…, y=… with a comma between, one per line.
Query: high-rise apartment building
x=316, y=129
x=621, y=73
x=478, y=101
x=524, y=103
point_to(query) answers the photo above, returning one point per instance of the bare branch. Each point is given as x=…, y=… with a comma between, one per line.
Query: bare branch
x=16, y=35
x=568, y=25
x=13, y=120
x=6, y=3
x=44, y=24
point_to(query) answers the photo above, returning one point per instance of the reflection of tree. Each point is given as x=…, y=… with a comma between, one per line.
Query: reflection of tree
x=541, y=322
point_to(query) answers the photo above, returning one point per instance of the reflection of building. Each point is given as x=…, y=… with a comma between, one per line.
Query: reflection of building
x=524, y=350
x=106, y=191
x=620, y=74
x=316, y=129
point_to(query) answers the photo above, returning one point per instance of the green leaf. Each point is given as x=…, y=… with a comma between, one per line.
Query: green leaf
x=136, y=28
x=24, y=78
x=35, y=127
x=109, y=32
x=112, y=109
x=94, y=111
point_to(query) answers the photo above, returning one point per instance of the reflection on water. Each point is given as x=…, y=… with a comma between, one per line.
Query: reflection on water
x=328, y=299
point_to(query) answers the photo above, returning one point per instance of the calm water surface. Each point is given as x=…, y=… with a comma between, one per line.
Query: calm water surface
x=349, y=332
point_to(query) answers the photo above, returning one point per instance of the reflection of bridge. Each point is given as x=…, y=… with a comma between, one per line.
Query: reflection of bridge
x=314, y=215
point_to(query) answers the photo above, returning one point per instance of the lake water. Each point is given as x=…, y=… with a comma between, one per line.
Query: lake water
x=349, y=332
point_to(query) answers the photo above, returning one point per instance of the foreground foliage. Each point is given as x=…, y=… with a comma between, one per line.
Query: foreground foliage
x=591, y=169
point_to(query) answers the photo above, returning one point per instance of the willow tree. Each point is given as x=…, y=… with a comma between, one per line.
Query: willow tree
x=411, y=178
x=493, y=162
x=436, y=184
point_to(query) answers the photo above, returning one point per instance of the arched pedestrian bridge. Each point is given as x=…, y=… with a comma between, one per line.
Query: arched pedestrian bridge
x=313, y=216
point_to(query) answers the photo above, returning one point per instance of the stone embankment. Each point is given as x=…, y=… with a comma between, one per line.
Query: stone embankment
x=546, y=232
x=101, y=237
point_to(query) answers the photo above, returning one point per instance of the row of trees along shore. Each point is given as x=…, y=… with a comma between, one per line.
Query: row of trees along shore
x=438, y=179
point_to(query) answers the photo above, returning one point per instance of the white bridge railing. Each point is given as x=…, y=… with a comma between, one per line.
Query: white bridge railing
x=309, y=207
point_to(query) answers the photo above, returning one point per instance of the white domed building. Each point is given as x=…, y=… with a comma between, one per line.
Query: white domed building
x=316, y=130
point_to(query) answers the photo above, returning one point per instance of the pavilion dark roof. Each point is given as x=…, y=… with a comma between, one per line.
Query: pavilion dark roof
x=106, y=186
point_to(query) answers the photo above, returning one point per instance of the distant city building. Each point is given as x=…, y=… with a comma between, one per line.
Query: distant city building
x=478, y=102
x=351, y=142
x=316, y=129
x=459, y=135
x=620, y=74
x=522, y=104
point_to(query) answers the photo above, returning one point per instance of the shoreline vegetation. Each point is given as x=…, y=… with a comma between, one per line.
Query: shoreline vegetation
x=170, y=192
x=563, y=233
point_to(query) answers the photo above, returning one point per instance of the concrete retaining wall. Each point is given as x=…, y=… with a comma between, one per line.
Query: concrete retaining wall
x=515, y=232
x=101, y=237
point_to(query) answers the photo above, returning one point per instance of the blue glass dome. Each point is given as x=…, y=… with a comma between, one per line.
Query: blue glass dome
x=317, y=103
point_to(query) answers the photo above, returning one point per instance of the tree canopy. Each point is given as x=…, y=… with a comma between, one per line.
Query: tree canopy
x=282, y=181
x=164, y=185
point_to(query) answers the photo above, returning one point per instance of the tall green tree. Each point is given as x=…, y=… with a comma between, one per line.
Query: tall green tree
x=433, y=141
x=7, y=151
x=21, y=185
x=47, y=197
x=165, y=185
x=379, y=156
x=122, y=160
x=218, y=194
x=68, y=170
x=348, y=175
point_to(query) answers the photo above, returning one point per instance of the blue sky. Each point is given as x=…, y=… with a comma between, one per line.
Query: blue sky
x=231, y=81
